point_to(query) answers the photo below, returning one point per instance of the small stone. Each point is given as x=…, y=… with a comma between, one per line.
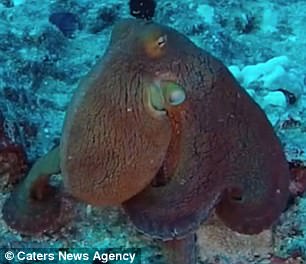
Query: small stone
x=271, y=80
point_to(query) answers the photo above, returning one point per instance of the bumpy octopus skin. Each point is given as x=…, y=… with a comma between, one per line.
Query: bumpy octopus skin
x=162, y=126
x=112, y=146
x=226, y=152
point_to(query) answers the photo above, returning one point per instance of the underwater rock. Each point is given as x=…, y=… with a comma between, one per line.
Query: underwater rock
x=270, y=73
x=276, y=99
x=66, y=22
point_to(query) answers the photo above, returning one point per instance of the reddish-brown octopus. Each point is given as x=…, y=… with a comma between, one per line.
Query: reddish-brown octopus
x=162, y=127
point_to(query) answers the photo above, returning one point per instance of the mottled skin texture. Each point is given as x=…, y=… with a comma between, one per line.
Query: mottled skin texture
x=170, y=165
x=224, y=143
x=113, y=160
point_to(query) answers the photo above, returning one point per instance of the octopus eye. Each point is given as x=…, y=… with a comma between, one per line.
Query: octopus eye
x=161, y=41
x=176, y=97
x=154, y=44
x=166, y=94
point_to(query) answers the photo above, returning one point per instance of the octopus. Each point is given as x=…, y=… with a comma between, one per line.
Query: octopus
x=162, y=128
